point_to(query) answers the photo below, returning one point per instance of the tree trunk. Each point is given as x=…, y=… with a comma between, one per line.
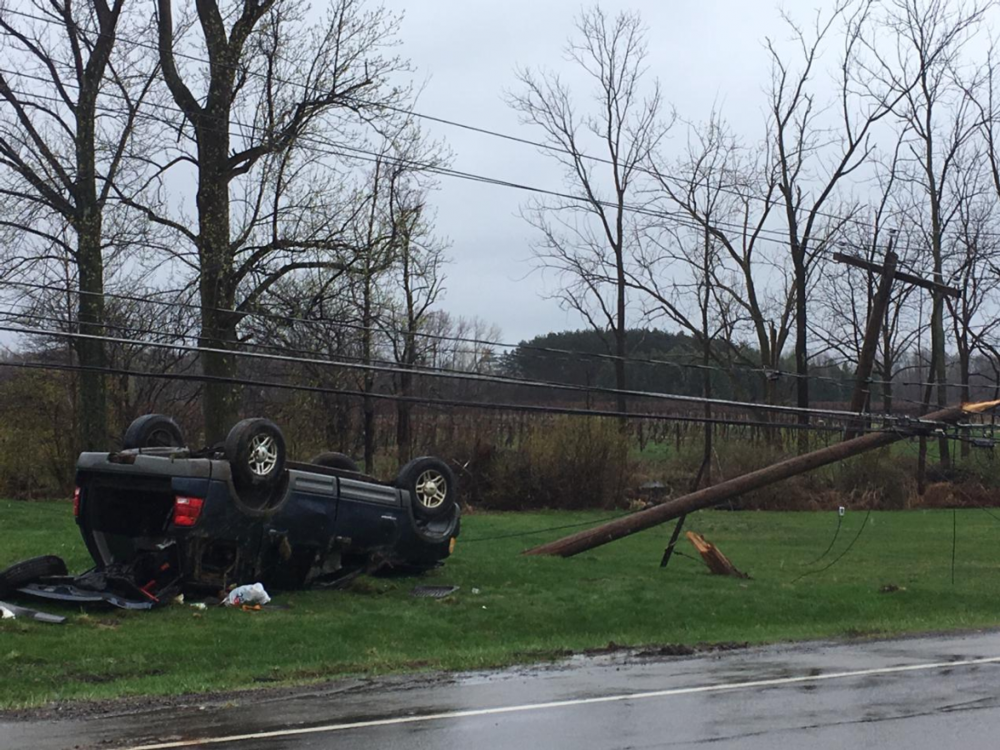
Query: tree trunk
x=93, y=417
x=922, y=448
x=706, y=459
x=888, y=364
x=964, y=358
x=404, y=439
x=706, y=359
x=940, y=365
x=801, y=346
x=620, y=348
x=218, y=327
x=368, y=379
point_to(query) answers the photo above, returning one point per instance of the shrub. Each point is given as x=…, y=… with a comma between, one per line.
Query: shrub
x=563, y=463
x=885, y=478
x=37, y=435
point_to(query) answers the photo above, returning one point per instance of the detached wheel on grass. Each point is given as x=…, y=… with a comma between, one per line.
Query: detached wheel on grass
x=333, y=460
x=25, y=572
x=255, y=449
x=153, y=431
x=431, y=484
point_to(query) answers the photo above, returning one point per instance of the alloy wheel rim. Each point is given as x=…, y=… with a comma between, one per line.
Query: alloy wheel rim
x=263, y=455
x=431, y=488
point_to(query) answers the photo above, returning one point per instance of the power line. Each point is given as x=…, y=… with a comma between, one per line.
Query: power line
x=565, y=354
x=445, y=372
x=473, y=377
x=558, y=353
x=342, y=150
x=431, y=118
x=448, y=172
x=370, y=156
x=417, y=400
x=366, y=155
x=838, y=558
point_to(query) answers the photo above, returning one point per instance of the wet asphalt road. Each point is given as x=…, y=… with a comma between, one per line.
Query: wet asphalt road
x=940, y=692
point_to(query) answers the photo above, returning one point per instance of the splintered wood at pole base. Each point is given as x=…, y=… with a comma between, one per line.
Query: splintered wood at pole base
x=717, y=562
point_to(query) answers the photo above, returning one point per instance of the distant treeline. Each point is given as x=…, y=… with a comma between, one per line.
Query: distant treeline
x=663, y=362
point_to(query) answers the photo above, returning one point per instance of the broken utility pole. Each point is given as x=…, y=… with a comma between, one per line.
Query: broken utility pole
x=716, y=494
x=717, y=562
x=880, y=303
x=866, y=360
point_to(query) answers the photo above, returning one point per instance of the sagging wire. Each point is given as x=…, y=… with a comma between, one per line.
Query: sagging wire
x=840, y=523
x=474, y=377
x=839, y=557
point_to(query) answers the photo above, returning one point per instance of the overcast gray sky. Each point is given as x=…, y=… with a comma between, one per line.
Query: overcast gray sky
x=704, y=52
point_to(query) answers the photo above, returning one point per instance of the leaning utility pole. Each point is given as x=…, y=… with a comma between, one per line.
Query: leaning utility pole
x=866, y=359
x=706, y=498
x=876, y=316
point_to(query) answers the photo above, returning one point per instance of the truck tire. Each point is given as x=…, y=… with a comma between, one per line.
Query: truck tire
x=22, y=573
x=153, y=431
x=333, y=460
x=431, y=484
x=255, y=449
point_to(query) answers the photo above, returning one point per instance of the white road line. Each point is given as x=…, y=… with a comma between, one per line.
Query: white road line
x=565, y=704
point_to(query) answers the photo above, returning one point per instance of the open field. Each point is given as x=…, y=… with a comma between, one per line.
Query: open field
x=527, y=609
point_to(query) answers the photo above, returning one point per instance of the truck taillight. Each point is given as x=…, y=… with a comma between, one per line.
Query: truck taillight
x=187, y=510
x=76, y=502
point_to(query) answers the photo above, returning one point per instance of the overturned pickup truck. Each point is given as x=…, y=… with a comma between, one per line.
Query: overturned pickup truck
x=160, y=519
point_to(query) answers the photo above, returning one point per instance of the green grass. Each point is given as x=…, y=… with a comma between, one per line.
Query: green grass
x=527, y=609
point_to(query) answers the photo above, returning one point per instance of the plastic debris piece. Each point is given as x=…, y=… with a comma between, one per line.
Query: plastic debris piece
x=200, y=606
x=475, y=591
x=13, y=611
x=433, y=592
x=253, y=593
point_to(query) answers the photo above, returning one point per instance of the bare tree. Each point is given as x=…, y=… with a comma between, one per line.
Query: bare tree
x=814, y=154
x=268, y=80
x=722, y=193
x=977, y=249
x=921, y=72
x=846, y=305
x=420, y=280
x=685, y=266
x=63, y=139
x=587, y=240
x=379, y=229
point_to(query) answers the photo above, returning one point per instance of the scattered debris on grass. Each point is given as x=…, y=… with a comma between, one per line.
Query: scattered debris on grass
x=251, y=595
x=433, y=592
x=891, y=588
x=12, y=611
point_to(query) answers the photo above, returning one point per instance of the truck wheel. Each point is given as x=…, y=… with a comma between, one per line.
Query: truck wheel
x=431, y=484
x=332, y=460
x=153, y=431
x=25, y=572
x=255, y=449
